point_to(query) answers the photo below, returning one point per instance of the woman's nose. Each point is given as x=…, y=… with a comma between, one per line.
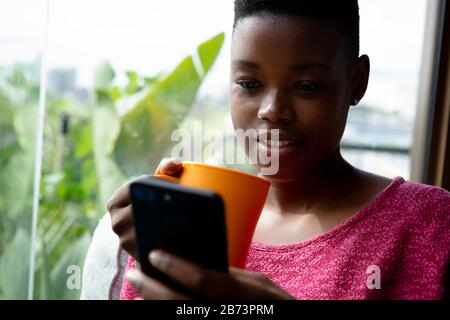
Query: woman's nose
x=275, y=107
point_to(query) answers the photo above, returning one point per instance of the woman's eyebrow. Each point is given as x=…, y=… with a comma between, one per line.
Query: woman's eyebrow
x=311, y=65
x=301, y=67
x=245, y=63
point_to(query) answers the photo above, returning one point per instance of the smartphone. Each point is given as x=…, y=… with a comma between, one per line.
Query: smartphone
x=187, y=222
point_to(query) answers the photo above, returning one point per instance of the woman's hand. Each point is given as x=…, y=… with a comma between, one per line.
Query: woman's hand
x=119, y=206
x=237, y=285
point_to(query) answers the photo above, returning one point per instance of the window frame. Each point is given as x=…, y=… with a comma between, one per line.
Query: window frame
x=430, y=155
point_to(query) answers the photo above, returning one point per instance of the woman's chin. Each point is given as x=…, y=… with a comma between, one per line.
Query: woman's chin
x=281, y=175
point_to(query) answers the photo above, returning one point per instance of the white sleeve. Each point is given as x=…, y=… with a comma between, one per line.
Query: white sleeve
x=104, y=264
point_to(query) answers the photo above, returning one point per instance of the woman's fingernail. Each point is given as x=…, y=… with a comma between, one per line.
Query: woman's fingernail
x=135, y=277
x=177, y=161
x=155, y=258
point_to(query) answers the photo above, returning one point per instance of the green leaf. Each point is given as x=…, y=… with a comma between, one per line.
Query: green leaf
x=106, y=126
x=115, y=93
x=17, y=180
x=17, y=77
x=6, y=111
x=45, y=285
x=17, y=175
x=133, y=82
x=150, y=81
x=62, y=274
x=83, y=139
x=25, y=126
x=147, y=125
x=110, y=178
x=14, y=267
x=209, y=50
x=88, y=177
x=8, y=137
x=103, y=75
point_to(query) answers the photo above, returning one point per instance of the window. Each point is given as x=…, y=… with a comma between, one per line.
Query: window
x=110, y=67
x=379, y=134
x=21, y=42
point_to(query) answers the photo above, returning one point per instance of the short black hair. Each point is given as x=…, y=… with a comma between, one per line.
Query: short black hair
x=345, y=13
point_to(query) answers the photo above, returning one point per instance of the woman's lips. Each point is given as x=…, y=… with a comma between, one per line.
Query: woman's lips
x=277, y=144
x=283, y=148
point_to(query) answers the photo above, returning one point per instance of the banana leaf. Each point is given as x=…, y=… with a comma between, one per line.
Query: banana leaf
x=106, y=126
x=146, y=127
x=130, y=135
x=14, y=266
x=64, y=275
x=17, y=174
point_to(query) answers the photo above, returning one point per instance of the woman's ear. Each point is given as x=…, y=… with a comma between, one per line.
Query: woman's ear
x=360, y=79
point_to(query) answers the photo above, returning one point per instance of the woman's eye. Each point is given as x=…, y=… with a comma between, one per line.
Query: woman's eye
x=248, y=84
x=307, y=87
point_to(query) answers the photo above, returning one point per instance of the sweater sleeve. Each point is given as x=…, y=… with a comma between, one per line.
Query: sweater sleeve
x=426, y=264
x=440, y=204
x=128, y=292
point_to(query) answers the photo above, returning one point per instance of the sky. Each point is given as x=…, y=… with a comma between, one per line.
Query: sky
x=153, y=36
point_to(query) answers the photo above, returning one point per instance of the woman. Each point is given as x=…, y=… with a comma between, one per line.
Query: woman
x=328, y=230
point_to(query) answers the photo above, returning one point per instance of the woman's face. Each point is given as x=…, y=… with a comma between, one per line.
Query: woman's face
x=291, y=74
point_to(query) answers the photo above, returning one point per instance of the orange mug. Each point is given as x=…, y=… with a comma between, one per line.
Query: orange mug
x=244, y=196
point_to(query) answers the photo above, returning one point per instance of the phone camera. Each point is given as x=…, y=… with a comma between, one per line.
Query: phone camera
x=167, y=197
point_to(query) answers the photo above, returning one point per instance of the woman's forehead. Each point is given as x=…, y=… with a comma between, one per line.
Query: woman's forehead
x=288, y=38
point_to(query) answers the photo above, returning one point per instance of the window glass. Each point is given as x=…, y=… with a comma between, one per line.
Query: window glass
x=22, y=29
x=122, y=77
x=380, y=130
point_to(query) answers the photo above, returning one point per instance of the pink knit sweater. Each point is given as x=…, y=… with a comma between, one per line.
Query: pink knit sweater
x=397, y=247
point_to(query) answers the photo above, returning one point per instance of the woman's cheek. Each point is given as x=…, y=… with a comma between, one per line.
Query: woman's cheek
x=327, y=128
x=243, y=111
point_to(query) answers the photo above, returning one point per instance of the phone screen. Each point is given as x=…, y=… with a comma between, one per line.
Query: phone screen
x=185, y=221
